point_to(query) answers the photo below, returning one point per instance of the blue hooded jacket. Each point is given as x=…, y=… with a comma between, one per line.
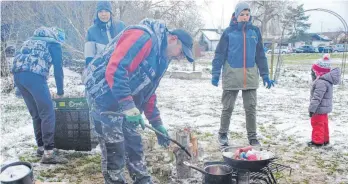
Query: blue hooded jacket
x=241, y=46
x=97, y=35
x=38, y=53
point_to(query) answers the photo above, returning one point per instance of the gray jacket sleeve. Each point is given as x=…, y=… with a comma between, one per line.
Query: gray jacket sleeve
x=318, y=94
x=90, y=48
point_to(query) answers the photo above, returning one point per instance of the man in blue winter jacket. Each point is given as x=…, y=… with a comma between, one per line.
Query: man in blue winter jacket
x=121, y=84
x=31, y=69
x=241, y=57
x=102, y=31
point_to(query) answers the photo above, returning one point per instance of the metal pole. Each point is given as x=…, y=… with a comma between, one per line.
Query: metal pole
x=272, y=60
x=345, y=25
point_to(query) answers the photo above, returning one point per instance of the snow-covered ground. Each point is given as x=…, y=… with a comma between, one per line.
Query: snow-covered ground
x=282, y=120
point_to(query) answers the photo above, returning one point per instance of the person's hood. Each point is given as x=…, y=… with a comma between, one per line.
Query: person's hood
x=102, y=5
x=239, y=25
x=49, y=34
x=105, y=25
x=98, y=22
x=334, y=76
x=160, y=30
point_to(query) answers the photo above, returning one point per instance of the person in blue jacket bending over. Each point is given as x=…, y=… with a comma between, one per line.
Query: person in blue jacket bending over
x=121, y=85
x=31, y=69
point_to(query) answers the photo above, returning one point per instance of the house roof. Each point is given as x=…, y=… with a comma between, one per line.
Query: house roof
x=211, y=35
x=320, y=37
x=331, y=35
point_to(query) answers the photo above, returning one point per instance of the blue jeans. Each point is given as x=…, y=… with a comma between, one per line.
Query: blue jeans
x=37, y=97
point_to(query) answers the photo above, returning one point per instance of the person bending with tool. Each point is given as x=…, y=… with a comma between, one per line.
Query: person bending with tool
x=121, y=84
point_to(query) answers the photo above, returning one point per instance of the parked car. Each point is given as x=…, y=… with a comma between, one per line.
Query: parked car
x=283, y=50
x=340, y=48
x=316, y=49
x=325, y=49
x=305, y=49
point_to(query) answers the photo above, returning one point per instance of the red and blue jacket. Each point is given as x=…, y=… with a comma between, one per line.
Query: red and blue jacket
x=130, y=69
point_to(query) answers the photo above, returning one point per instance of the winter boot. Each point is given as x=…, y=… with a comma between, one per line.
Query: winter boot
x=40, y=151
x=313, y=144
x=51, y=157
x=254, y=142
x=223, y=139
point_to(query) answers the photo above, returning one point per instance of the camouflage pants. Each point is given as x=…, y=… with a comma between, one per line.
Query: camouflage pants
x=120, y=143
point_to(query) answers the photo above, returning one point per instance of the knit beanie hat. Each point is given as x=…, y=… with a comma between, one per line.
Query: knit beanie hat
x=104, y=5
x=240, y=7
x=322, y=66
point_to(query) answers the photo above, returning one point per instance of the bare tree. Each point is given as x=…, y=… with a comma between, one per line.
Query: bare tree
x=75, y=17
x=338, y=34
x=5, y=28
x=178, y=14
x=265, y=12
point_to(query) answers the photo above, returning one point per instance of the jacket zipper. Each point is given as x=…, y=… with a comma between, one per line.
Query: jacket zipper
x=244, y=58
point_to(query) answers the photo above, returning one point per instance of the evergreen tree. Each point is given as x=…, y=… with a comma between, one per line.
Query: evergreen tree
x=295, y=23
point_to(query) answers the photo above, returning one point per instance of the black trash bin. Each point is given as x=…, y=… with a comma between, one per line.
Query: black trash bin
x=73, y=126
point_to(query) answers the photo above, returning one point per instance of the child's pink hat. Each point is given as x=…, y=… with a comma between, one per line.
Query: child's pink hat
x=322, y=66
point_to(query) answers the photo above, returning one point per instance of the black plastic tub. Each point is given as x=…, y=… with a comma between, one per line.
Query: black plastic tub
x=26, y=177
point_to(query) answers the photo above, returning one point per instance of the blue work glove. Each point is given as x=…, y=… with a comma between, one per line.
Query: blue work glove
x=267, y=81
x=160, y=139
x=133, y=116
x=215, y=81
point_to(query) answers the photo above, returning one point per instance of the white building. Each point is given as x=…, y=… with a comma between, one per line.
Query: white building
x=320, y=40
x=208, y=38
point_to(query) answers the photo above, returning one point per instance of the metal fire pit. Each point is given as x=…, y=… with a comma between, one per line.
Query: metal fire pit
x=255, y=165
x=263, y=176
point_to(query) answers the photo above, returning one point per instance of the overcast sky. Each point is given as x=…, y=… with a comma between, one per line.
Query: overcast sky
x=320, y=20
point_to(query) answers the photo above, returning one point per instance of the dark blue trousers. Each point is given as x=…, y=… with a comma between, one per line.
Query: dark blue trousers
x=37, y=97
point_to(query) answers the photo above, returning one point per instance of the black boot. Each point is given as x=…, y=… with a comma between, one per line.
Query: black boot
x=223, y=139
x=312, y=144
x=254, y=142
x=40, y=151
